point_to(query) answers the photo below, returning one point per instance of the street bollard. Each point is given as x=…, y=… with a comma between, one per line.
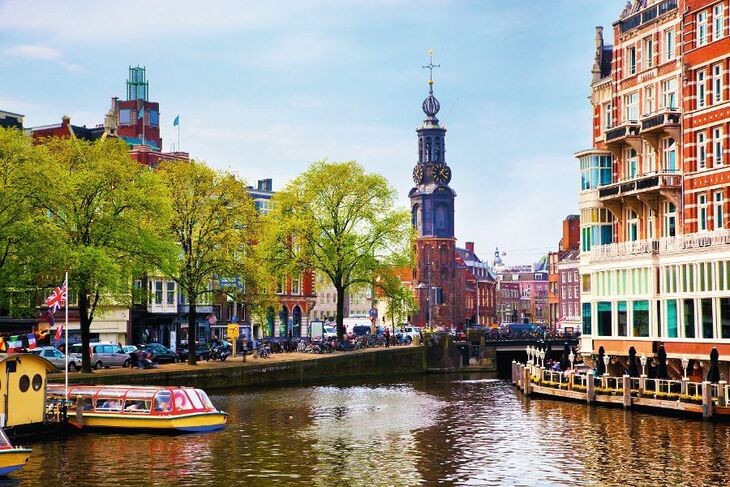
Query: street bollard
x=642, y=384
x=571, y=380
x=514, y=374
x=706, y=400
x=526, y=381
x=627, y=391
x=685, y=386
x=590, y=387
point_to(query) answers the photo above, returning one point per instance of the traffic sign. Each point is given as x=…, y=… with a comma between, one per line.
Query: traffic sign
x=233, y=331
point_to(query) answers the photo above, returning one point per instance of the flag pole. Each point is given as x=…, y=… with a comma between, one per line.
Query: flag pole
x=178, y=134
x=66, y=337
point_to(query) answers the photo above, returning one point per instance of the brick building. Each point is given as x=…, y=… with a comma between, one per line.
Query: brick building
x=569, y=242
x=654, y=258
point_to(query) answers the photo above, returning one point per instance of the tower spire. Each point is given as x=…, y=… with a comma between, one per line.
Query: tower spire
x=430, y=67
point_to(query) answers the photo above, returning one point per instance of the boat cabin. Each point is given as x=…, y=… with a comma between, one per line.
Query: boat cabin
x=23, y=388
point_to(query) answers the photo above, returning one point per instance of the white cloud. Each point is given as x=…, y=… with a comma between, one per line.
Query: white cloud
x=43, y=53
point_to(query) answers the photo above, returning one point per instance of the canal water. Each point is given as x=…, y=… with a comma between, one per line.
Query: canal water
x=455, y=430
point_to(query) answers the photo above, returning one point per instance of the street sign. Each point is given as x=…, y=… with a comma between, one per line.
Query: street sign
x=233, y=331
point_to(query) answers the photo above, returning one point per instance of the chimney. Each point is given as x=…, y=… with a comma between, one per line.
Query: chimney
x=65, y=120
x=470, y=247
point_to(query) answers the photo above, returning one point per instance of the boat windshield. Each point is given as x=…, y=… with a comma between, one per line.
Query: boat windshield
x=109, y=405
x=182, y=402
x=204, y=398
x=197, y=403
x=162, y=402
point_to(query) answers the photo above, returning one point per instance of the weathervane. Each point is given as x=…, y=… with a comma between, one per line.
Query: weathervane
x=430, y=67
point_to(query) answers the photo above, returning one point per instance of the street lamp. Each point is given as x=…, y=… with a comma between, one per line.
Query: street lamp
x=606, y=360
x=542, y=358
x=571, y=357
x=527, y=351
x=642, y=360
x=685, y=364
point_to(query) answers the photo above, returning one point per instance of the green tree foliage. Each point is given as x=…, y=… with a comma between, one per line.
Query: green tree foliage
x=215, y=226
x=103, y=219
x=339, y=221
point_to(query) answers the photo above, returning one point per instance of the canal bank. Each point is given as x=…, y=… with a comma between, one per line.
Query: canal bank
x=285, y=368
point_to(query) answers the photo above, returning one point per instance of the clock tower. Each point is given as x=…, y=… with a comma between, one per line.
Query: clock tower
x=432, y=213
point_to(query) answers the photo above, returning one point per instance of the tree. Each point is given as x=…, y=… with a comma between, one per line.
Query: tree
x=339, y=221
x=104, y=216
x=214, y=224
x=399, y=299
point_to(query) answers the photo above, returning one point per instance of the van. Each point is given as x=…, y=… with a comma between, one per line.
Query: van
x=103, y=355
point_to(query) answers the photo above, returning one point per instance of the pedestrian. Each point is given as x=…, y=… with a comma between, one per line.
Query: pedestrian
x=244, y=345
x=387, y=337
x=255, y=347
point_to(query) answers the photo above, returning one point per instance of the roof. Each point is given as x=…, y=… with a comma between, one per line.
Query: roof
x=28, y=356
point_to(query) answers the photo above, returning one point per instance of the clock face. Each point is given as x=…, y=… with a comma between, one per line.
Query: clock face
x=441, y=173
x=418, y=174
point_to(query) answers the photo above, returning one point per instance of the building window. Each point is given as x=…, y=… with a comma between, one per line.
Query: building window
x=689, y=318
x=281, y=286
x=170, y=292
x=296, y=285
x=669, y=94
x=701, y=151
x=631, y=107
x=707, y=321
x=604, y=319
x=719, y=214
x=595, y=171
x=158, y=292
x=632, y=163
x=125, y=116
x=717, y=83
x=623, y=322
x=669, y=155
x=632, y=225
x=563, y=277
x=725, y=317
x=648, y=100
x=670, y=219
x=154, y=118
x=701, y=93
x=641, y=318
x=668, y=45
x=649, y=158
x=702, y=28
x=718, y=21
x=607, y=115
x=586, y=318
x=651, y=225
x=648, y=49
x=718, y=149
x=631, y=58
x=702, y=213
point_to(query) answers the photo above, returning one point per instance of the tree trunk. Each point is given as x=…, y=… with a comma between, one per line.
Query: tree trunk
x=340, y=312
x=85, y=325
x=192, y=330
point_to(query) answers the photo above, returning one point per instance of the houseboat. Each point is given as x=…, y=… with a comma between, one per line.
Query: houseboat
x=181, y=409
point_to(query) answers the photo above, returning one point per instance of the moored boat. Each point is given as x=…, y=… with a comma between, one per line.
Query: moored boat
x=181, y=409
x=11, y=458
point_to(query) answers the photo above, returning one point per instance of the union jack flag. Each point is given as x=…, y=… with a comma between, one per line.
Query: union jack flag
x=56, y=298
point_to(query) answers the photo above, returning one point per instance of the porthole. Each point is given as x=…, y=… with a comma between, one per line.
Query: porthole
x=37, y=382
x=24, y=383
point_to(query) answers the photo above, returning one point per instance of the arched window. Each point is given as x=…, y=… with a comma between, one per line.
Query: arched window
x=420, y=148
x=428, y=148
x=438, y=149
x=416, y=217
x=442, y=217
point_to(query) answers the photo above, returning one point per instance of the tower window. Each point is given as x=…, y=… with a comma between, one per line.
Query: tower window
x=125, y=116
x=428, y=148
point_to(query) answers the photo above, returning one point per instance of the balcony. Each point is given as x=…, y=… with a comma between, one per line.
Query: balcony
x=656, y=125
x=624, y=249
x=654, y=183
x=663, y=246
x=620, y=134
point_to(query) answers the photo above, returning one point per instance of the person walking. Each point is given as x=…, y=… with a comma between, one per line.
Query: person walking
x=244, y=346
x=387, y=337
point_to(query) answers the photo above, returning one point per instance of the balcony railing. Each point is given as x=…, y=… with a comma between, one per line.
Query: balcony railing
x=664, y=119
x=641, y=184
x=627, y=129
x=665, y=245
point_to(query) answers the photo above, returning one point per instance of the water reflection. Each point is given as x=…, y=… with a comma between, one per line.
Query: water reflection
x=455, y=430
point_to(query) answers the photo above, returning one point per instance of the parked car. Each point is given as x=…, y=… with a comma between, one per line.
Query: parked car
x=103, y=355
x=57, y=358
x=160, y=353
x=410, y=331
x=360, y=330
x=129, y=349
x=330, y=331
x=201, y=352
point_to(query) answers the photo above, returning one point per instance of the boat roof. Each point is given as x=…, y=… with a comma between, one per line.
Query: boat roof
x=27, y=355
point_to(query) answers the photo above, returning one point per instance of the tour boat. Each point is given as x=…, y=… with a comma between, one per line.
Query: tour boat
x=181, y=409
x=11, y=458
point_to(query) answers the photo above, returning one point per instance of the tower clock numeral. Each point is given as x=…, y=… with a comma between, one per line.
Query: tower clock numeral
x=442, y=173
x=418, y=174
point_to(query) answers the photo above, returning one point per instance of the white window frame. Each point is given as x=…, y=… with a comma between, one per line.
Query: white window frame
x=718, y=200
x=718, y=147
x=670, y=215
x=701, y=143
x=649, y=154
x=717, y=83
x=648, y=100
x=648, y=51
x=607, y=115
x=632, y=163
x=632, y=223
x=669, y=44
x=702, y=212
x=702, y=28
x=631, y=107
x=631, y=63
x=718, y=21
x=667, y=150
x=701, y=82
x=669, y=93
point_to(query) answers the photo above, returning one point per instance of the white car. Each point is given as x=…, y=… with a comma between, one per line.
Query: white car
x=57, y=358
x=410, y=331
x=330, y=331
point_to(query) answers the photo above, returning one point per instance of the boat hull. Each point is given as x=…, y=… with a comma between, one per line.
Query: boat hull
x=13, y=459
x=194, y=422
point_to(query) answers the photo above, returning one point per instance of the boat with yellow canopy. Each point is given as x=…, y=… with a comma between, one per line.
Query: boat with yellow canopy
x=11, y=458
x=181, y=409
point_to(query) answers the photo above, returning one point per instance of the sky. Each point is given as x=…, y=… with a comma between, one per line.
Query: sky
x=265, y=88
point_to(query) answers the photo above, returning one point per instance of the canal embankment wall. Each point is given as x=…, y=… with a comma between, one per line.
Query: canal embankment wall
x=372, y=363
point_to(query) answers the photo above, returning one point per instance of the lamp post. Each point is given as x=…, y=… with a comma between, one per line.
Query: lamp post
x=527, y=351
x=606, y=360
x=542, y=358
x=685, y=364
x=571, y=357
x=642, y=360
